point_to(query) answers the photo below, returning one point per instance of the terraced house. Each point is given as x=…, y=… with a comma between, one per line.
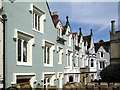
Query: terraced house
x=102, y=50
x=39, y=50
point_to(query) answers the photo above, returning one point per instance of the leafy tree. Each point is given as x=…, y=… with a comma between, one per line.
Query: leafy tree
x=111, y=73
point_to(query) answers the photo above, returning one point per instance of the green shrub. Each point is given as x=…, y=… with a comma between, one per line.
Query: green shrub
x=111, y=73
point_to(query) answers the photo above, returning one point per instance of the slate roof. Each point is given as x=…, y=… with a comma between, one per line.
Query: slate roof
x=105, y=45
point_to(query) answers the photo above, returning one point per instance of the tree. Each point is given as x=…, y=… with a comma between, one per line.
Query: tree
x=111, y=73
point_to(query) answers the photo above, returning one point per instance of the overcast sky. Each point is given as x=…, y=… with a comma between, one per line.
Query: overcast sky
x=87, y=15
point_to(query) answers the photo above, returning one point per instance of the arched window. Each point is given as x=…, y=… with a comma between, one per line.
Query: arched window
x=71, y=79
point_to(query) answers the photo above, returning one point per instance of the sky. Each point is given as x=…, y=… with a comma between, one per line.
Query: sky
x=88, y=15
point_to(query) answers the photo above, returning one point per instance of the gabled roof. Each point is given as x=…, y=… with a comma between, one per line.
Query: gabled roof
x=105, y=45
x=74, y=34
x=67, y=24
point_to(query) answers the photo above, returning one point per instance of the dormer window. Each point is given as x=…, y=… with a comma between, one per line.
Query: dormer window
x=59, y=28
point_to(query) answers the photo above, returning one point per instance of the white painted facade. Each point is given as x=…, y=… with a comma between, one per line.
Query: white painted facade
x=102, y=60
x=92, y=56
x=70, y=71
x=88, y=55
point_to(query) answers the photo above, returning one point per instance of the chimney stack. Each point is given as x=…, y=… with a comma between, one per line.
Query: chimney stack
x=113, y=26
x=55, y=15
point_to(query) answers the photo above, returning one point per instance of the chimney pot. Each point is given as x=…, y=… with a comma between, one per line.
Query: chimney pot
x=113, y=26
x=53, y=13
x=56, y=13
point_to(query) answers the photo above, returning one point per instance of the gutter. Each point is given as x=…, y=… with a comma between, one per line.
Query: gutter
x=4, y=19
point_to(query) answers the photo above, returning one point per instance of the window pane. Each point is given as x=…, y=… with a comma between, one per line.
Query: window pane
x=48, y=80
x=100, y=64
x=101, y=54
x=44, y=81
x=92, y=64
x=68, y=40
x=48, y=62
x=58, y=56
x=45, y=55
x=68, y=59
x=71, y=79
x=38, y=23
x=103, y=65
x=35, y=21
x=19, y=50
x=24, y=51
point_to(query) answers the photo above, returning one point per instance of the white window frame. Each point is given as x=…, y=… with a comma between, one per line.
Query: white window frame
x=51, y=45
x=69, y=39
x=102, y=63
x=69, y=58
x=100, y=54
x=52, y=78
x=60, y=54
x=60, y=77
x=18, y=34
x=40, y=13
x=92, y=62
x=59, y=29
x=76, y=40
x=92, y=77
x=76, y=59
x=32, y=80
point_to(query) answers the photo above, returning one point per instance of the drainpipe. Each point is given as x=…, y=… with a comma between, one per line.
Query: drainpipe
x=4, y=19
x=74, y=51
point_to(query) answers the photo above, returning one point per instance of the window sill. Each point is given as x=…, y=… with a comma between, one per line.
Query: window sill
x=23, y=64
x=37, y=31
x=59, y=63
x=47, y=65
x=67, y=67
x=69, y=46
